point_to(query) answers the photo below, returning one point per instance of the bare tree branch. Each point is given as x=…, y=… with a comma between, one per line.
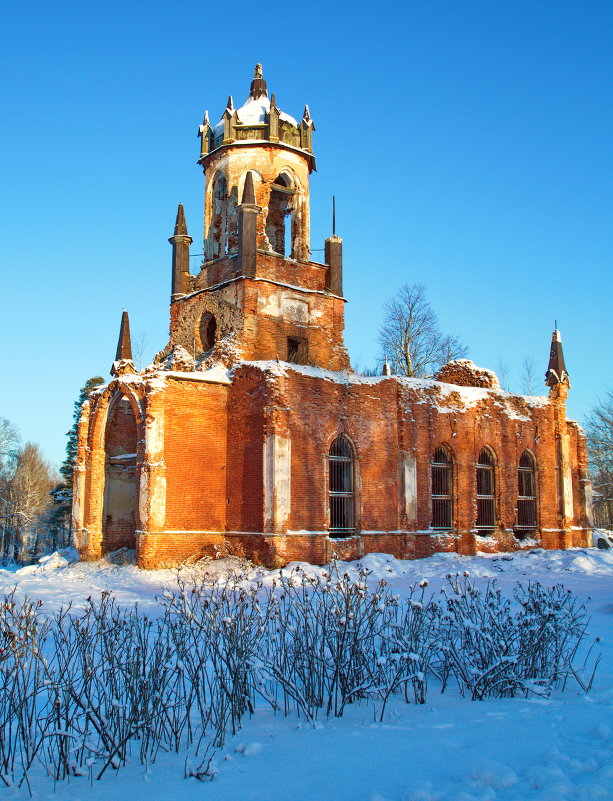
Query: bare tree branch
x=410, y=336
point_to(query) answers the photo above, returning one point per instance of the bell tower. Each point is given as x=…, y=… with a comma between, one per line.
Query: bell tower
x=267, y=298
x=260, y=138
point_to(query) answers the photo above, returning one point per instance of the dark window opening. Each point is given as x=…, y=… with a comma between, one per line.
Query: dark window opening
x=341, y=481
x=219, y=218
x=279, y=218
x=296, y=350
x=442, y=484
x=486, y=492
x=208, y=330
x=526, y=496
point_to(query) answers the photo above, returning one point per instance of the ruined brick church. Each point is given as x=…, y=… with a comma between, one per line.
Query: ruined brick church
x=251, y=435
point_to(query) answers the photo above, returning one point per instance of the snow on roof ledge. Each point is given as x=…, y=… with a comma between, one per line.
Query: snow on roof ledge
x=444, y=396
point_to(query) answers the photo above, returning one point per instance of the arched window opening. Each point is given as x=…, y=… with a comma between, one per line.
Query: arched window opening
x=341, y=483
x=526, y=495
x=218, y=236
x=120, y=487
x=208, y=330
x=279, y=227
x=486, y=492
x=442, y=489
x=232, y=222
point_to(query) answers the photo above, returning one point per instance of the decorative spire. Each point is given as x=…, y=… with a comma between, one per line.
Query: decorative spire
x=307, y=114
x=124, y=346
x=230, y=103
x=258, y=84
x=206, y=118
x=123, y=359
x=180, y=224
x=248, y=190
x=556, y=370
x=387, y=370
x=273, y=100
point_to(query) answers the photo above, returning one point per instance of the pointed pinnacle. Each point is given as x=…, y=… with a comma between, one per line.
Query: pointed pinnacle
x=180, y=224
x=230, y=104
x=556, y=369
x=248, y=190
x=307, y=114
x=206, y=118
x=273, y=100
x=124, y=346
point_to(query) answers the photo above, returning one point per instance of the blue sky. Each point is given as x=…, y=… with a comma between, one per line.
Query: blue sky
x=468, y=145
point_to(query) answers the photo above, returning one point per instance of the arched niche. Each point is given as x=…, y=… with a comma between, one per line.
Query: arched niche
x=207, y=330
x=120, y=499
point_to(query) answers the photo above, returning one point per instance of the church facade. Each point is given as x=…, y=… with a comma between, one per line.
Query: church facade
x=251, y=435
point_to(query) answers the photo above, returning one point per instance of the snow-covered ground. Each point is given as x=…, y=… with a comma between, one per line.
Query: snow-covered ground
x=450, y=749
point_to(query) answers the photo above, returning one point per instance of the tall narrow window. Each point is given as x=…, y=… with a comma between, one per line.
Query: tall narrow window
x=218, y=235
x=279, y=217
x=442, y=483
x=486, y=491
x=526, y=495
x=342, y=500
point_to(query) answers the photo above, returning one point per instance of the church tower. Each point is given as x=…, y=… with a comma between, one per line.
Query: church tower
x=258, y=295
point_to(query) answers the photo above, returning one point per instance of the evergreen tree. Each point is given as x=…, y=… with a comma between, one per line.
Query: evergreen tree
x=61, y=494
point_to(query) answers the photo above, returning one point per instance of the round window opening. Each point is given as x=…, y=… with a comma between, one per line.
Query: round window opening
x=208, y=329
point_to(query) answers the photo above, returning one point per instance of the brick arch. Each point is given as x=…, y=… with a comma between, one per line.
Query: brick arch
x=257, y=181
x=113, y=391
x=96, y=460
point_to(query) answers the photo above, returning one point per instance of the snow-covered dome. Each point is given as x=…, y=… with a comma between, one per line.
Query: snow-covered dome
x=256, y=110
x=261, y=113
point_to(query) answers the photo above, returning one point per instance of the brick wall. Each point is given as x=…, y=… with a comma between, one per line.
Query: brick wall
x=195, y=444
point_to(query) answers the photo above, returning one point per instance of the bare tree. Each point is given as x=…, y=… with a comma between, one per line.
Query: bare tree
x=9, y=441
x=599, y=432
x=410, y=336
x=528, y=375
x=503, y=372
x=29, y=492
x=139, y=345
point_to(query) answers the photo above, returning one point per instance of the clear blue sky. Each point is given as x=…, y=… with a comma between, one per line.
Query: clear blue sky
x=468, y=145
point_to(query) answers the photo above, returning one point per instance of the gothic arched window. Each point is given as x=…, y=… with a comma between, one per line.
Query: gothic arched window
x=218, y=234
x=486, y=491
x=442, y=489
x=526, y=494
x=279, y=217
x=341, y=488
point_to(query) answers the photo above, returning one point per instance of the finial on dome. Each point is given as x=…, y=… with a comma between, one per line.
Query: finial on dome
x=258, y=84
